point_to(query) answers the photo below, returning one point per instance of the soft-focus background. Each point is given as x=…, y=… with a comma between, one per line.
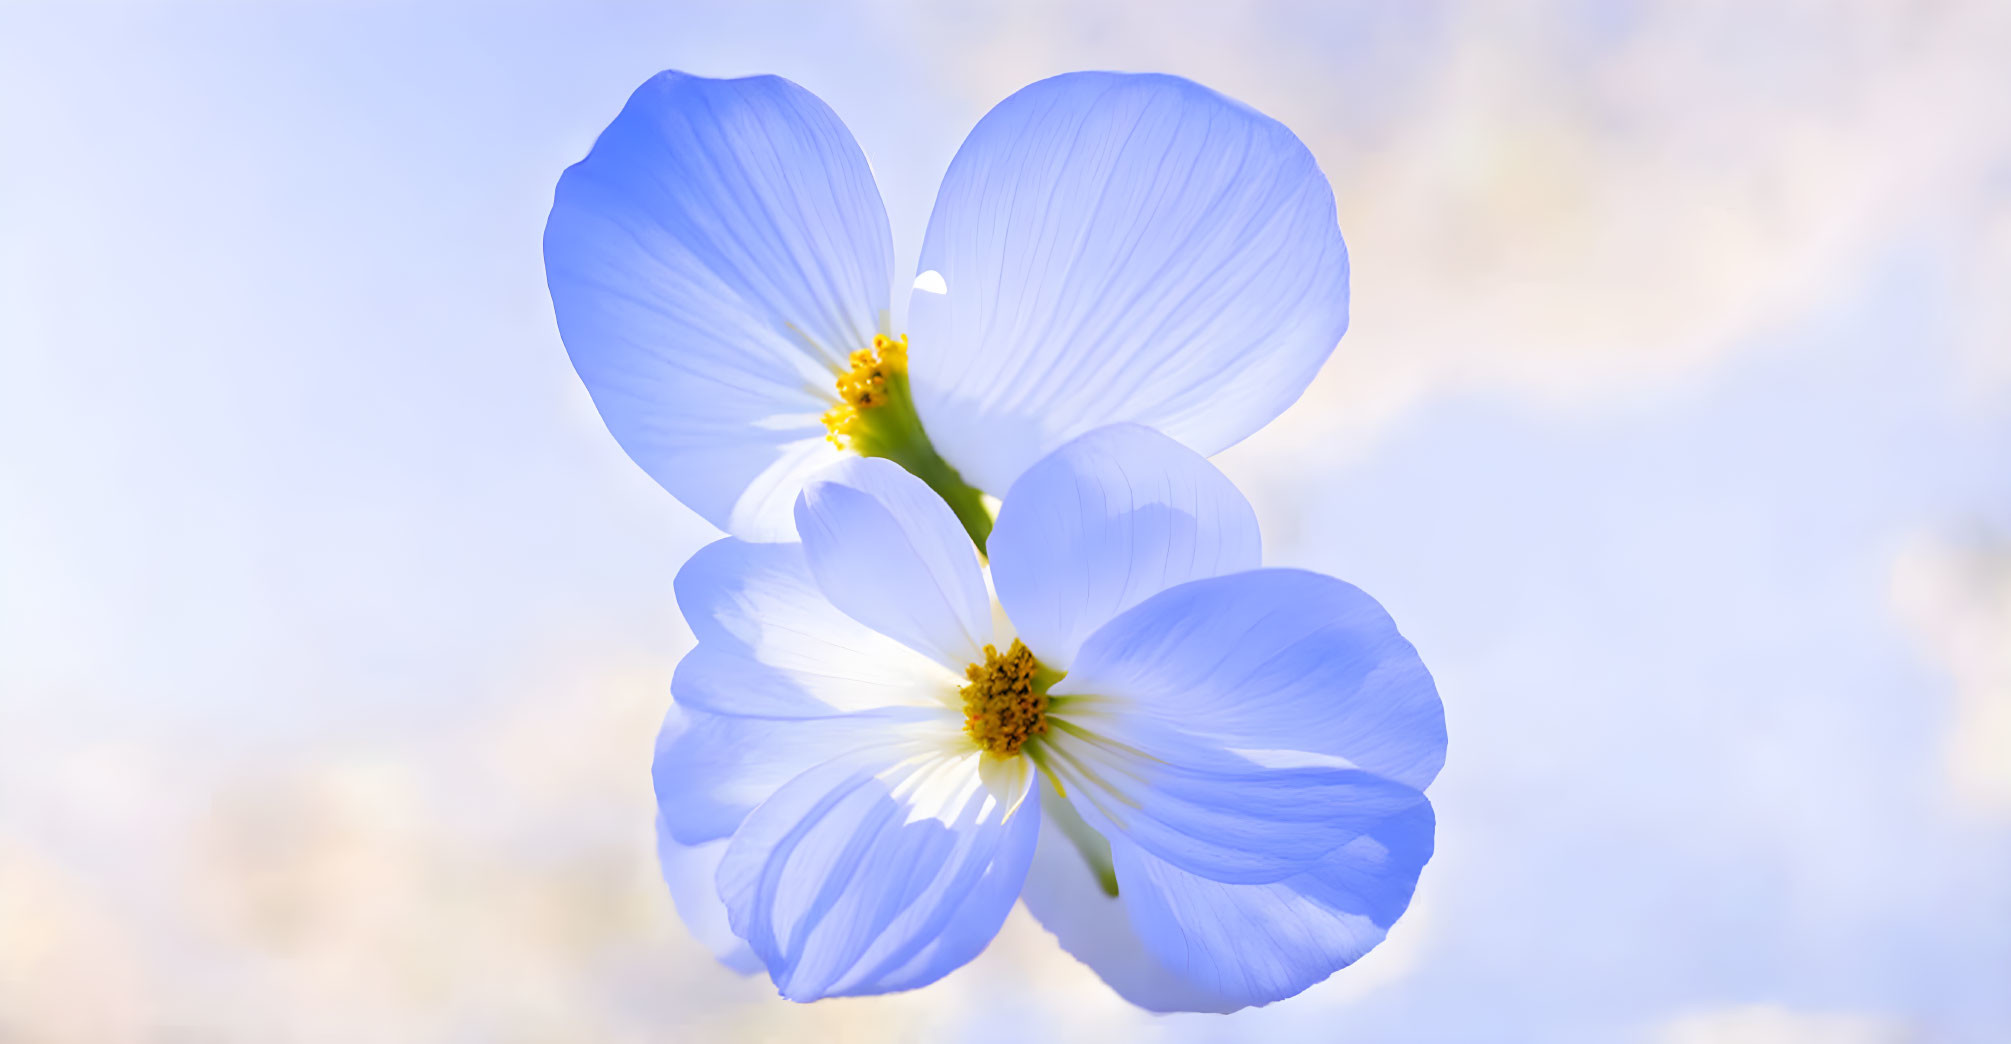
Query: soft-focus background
x=1674, y=427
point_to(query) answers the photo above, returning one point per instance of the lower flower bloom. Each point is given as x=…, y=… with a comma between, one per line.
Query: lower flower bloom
x=1204, y=777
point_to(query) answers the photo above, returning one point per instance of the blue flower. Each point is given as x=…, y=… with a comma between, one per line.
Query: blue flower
x=1105, y=248
x=1206, y=778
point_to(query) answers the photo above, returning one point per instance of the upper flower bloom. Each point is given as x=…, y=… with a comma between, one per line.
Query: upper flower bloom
x=1105, y=248
x=1205, y=778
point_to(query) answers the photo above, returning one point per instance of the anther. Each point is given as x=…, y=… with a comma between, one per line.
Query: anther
x=1002, y=707
x=865, y=385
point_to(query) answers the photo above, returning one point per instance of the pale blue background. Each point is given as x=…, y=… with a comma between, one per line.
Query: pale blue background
x=1674, y=428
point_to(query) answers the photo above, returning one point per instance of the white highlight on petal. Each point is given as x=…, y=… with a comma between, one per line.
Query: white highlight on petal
x=771, y=645
x=879, y=870
x=931, y=282
x=934, y=786
x=1010, y=779
x=1287, y=759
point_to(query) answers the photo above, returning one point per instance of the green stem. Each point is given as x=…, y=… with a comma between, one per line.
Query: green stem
x=1093, y=847
x=894, y=431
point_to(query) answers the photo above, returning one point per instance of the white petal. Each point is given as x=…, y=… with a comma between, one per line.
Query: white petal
x=780, y=681
x=770, y=644
x=712, y=769
x=886, y=550
x=712, y=261
x=1121, y=248
x=1103, y=523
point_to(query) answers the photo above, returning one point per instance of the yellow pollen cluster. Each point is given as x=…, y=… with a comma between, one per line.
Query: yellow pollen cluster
x=1001, y=709
x=864, y=386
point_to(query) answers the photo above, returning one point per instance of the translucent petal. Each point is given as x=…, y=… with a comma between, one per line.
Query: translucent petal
x=889, y=553
x=1179, y=797
x=689, y=871
x=877, y=871
x=712, y=261
x=1116, y=247
x=1063, y=893
x=1103, y=523
x=1240, y=727
x=712, y=769
x=780, y=680
x=1173, y=941
x=1281, y=666
x=770, y=644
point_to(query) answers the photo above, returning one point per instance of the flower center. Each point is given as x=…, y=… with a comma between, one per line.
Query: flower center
x=1005, y=703
x=875, y=417
x=867, y=385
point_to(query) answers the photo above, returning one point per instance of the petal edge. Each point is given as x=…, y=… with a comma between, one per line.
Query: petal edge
x=711, y=261
x=1122, y=247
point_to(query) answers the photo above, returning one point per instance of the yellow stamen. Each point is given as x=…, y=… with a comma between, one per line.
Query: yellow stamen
x=1002, y=707
x=864, y=386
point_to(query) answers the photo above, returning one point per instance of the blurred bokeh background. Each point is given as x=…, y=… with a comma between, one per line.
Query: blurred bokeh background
x=1674, y=427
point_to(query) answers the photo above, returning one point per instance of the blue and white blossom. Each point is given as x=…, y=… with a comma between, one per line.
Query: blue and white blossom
x=1105, y=248
x=1205, y=777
